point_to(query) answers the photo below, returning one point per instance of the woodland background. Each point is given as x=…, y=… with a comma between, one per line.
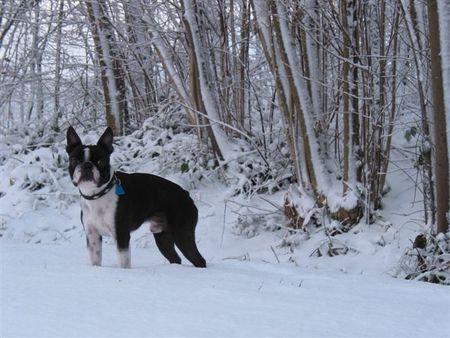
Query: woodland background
x=296, y=96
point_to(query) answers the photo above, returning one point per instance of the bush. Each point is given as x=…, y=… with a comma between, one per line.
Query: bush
x=428, y=259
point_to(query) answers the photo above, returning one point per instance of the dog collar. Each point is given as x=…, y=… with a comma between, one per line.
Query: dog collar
x=103, y=192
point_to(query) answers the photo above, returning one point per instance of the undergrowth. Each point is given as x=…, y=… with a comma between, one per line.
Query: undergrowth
x=428, y=259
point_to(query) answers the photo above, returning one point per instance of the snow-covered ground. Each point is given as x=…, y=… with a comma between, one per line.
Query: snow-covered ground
x=259, y=281
x=49, y=290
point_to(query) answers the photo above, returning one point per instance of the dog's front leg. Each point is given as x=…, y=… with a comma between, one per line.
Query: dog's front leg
x=94, y=244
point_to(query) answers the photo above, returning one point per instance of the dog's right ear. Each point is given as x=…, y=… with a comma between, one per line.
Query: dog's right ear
x=106, y=140
x=73, y=140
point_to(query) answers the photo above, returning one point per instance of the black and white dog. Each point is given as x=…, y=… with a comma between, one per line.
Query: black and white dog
x=115, y=204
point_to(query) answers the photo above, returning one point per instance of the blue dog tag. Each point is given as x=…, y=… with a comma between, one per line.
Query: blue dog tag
x=119, y=189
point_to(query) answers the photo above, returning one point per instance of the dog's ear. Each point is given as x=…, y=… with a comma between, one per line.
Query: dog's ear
x=106, y=140
x=73, y=140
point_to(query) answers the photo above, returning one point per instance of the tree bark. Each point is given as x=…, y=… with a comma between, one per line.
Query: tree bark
x=112, y=73
x=194, y=21
x=345, y=98
x=440, y=138
x=58, y=111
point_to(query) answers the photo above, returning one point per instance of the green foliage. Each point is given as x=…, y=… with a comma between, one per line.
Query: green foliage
x=410, y=133
x=184, y=167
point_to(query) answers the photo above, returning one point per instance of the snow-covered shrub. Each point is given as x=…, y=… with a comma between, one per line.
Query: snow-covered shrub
x=164, y=149
x=252, y=172
x=292, y=239
x=427, y=260
x=251, y=222
x=248, y=225
x=30, y=136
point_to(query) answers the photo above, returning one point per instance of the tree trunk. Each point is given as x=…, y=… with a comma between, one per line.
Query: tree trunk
x=58, y=111
x=393, y=111
x=111, y=68
x=345, y=98
x=414, y=35
x=440, y=138
x=207, y=89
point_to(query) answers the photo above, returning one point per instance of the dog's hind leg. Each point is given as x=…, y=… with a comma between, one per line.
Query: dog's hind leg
x=185, y=241
x=183, y=229
x=123, y=247
x=165, y=243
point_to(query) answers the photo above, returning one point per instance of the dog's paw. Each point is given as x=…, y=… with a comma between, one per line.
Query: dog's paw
x=124, y=259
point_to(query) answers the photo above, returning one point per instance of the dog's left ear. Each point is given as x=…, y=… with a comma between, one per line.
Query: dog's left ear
x=106, y=140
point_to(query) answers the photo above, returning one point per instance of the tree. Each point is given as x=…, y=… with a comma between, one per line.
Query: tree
x=440, y=124
x=110, y=64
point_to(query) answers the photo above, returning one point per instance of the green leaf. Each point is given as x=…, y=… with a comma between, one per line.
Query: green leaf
x=184, y=167
x=408, y=135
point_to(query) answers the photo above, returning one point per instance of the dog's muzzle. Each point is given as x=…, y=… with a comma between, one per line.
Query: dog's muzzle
x=85, y=172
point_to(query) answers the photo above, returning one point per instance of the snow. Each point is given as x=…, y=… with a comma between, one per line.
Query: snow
x=47, y=290
x=261, y=279
x=335, y=201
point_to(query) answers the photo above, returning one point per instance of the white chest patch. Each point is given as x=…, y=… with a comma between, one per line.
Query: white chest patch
x=100, y=214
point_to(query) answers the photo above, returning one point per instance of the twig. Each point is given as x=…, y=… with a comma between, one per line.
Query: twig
x=244, y=257
x=275, y=254
x=260, y=287
x=223, y=224
x=279, y=208
x=269, y=212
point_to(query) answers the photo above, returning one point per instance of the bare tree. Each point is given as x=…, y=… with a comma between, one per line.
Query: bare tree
x=337, y=74
x=440, y=124
x=58, y=110
x=110, y=63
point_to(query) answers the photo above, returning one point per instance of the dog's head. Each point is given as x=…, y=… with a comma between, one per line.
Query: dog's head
x=89, y=165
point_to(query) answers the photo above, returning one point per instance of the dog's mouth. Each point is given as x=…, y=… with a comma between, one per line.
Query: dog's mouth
x=83, y=175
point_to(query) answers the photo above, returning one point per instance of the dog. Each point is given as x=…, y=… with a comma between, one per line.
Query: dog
x=115, y=203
